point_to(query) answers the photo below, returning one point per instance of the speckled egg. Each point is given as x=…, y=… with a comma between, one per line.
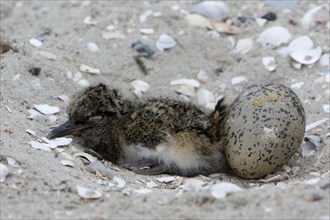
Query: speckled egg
x=265, y=126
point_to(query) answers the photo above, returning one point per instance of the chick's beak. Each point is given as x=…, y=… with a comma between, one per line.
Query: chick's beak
x=67, y=128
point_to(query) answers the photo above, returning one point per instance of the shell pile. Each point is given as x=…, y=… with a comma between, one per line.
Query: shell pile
x=265, y=126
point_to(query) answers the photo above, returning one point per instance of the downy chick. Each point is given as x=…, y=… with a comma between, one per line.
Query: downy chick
x=160, y=135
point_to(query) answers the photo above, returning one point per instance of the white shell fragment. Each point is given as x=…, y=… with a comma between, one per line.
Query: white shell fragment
x=166, y=179
x=214, y=10
x=33, y=114
x=140, y=87
x=301, y=43
x=98, y=166
x=4, y=171
x=47, y=109
x=143, y=191
x=165, y=42
x=47, y=55
x=274, y=36
x=318, y=14
x=67, y=163
x=269, y=63
x=238, y=80
x=204, y=97
x=35, y=42
x=186, y=90
x=119, y=182
x=89, y=20
x=192, y=184
x=244, y=45
x=85, y=156
x=315, y=124
x=202, y=76
x=88, y=69
x=307, y=57
x=113, y=35
x=86, y=193
x=151, y=184
x=42, y=146
x=326, y=108
x=297, y=85
x=83, y=83
x=220, y=190
x=147, y=31
x=189, y=82
x=61, y=141
x=31, y=132
x=92, y=47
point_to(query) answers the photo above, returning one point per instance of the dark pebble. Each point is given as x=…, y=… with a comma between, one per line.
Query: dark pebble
x=142, y=48
x=270, y=16
x=35, y=71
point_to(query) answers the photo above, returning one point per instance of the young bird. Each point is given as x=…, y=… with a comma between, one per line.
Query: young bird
x=160, y=135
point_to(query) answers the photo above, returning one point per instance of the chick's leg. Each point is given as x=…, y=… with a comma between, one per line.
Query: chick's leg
x=146, y=167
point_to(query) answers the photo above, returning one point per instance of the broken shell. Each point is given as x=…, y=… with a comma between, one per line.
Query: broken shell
x=325, y=60
x=315, y=124
x=297, y=85
x=223, y=27
x=220, y=190
x=42, y=146
x=301, y=43
x=33, y=114
x=85, y=156
x=89, y=20
x=189, y=82
x=98, y=166
x=147, y=31
x=269, y=63
x=165, y=42
x=238, y=80
x=4, y=171
x=67, y=163
x=47, y=109
x=186, y=90
x=202, y=76
x=114, y=35
x=31, y=132
x=151, y=184
x=326, y=108
x=92, y=47
x=61, y=141
x=314, y=16
x=47, y=55
x=166, y=179
x=86, y=193
x=35, y=42
x=88, y=69
x=140, y=87
x=197, y=20
x=274, y=36
x=120, y=183
x=214, y=10
x=307, y=57
x=204, y=97
x=192, y=184
x=244, y=45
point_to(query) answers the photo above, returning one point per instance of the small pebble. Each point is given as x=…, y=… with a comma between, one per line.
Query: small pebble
x=35, y=71
x=270, y=16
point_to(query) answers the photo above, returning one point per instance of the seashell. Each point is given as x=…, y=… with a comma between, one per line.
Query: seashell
x=147, y=31
x=326, y=108
x=166, y=179
x=297, y=85
x=204, y=97
x=165, y=42
x=90, y=21
x=4, y=171
x=42, y=146
x=98, y=166
x=85, y=156
x=67, y=163
x=92, y=47
x=33, y=114
x=244, y=45
x=269, y=63
x=223, y=27
x=62, y=141
x=16, y=77
x=47, y=109
x=140, y=87
x=274, y=36
x=307, y=57
x=301, y=43
x=47, y=55
x=261, y=22
x=197, y=20
x=151, y=184
x=202, y=76
x=83, y=83
x=315, y=124
x=31, y=132
x=238, y=80
x=214, y=10
x=296, y=65
x=35, y=42
x=189, y=82
x=119, y=182
x=86, y=193
x=87, y=69
x=113, y=35
x=186, y=90
x=220, y=190
x=314, y=16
